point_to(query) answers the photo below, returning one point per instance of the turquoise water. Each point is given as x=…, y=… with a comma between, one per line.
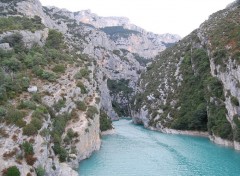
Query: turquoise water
x=135, y=151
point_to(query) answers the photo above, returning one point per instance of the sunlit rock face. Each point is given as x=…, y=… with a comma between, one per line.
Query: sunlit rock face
x=112, y=50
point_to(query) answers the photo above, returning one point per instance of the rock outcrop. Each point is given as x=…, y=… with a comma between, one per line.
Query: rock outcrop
x=121, y=52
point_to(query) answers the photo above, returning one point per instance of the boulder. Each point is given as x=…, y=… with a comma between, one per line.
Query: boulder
x=5, y=46
x=32, y=89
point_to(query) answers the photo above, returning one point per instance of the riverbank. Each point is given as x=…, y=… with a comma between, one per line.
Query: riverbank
x=215, y=139
x=108, y=132
x=181, y=132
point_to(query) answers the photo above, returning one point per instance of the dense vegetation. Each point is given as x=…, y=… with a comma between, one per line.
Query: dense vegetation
x=187, y=99
x=20, y=23
x=193, y=112
x=105, y=121
x=118, y=31
x=120, y=89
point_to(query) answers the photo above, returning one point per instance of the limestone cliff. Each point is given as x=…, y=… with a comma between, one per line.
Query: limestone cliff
x=120, y=52
x=58, y=75
x=194, y=85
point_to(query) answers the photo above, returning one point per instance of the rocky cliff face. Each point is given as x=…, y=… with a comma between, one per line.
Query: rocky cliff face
x=91, y=65
x=195, y=84
x=120, y=52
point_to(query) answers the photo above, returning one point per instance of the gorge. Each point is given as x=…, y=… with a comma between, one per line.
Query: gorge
x=65, y=75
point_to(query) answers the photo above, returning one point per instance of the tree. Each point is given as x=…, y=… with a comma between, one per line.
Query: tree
x=55, y=39
x=15, y=41
x=13, y=171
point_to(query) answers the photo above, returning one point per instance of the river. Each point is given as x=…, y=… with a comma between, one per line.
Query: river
x=135, y=151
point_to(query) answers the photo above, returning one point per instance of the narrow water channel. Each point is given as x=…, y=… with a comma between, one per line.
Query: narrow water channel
x=135, y=151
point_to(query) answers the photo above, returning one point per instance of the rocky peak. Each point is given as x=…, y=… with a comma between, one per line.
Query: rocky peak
x=86, y=16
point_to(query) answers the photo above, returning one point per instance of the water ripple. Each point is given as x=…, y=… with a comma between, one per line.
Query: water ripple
x=135, y=151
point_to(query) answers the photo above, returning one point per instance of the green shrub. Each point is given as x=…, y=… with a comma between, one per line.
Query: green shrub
x=2, y=112
x=14, y=84
x=40, y=171
x=36, y=97
x=142, y=61
x=59, y=125
x=91, y=111
x=44, y=74
x=20, y=23
x=236, y=131
x=12, y=64
x=34, y=58
x=234, y=101
x=27, y=105
x=121, y=112
x=15, y=41
x=59, y=105
x=215, y=87
x=3, y=94
x=13, y=171
x=55, y=55
x=45, y=132
x=51, y=111
x=81, y=105
x=71, y=134
x=105, y=121
x=28, y=148
x=40, y=112
x=82, y=87
x=55, y=39
x=20, y=123
x=61, y=152
x=83, y=73
x=30, y=130
x=48, y=76
x=13, y=115
x=219, y=56
x=25, y=82
x=59, y=68
x=218, y=123
x=36, y=123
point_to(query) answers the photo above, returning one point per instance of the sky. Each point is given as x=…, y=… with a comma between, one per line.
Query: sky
x=159, y=16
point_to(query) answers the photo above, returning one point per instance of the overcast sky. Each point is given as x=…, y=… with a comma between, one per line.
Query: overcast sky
x=158, y=16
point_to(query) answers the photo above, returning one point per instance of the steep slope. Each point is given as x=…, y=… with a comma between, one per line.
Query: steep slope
x=195, y=84
x=120, y=53
x=60, y=79
x=49, y=103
